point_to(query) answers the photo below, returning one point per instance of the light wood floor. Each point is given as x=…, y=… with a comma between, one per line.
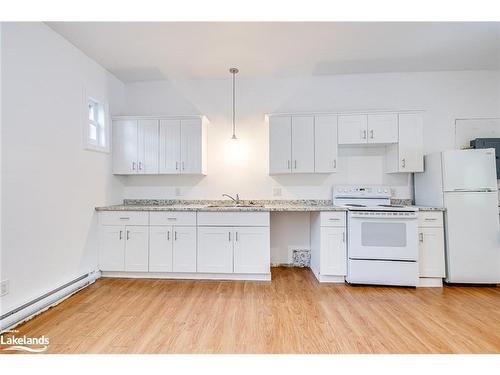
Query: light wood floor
x=293, y=314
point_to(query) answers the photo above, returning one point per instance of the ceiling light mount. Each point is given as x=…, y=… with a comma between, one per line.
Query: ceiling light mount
x=234, y=71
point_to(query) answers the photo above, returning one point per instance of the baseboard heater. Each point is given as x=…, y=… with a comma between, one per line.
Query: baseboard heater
x=26, y=311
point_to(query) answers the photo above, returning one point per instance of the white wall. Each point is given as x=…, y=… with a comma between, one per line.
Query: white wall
x=50, y=184
x=443, y=95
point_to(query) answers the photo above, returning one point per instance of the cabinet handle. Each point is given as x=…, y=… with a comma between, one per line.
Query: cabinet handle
x=288, y=164
x=295, y=164
x=128, y=235
x=343, y=236
x=124, y=218
x=133, y=165
x=183, y=166
x=140, y=166
x=403, y=163
x=175, y=235
x=334, y=163
x=364, y=134
x=421, y=237
x=176, y=165
x=430, y=219
x=168, y=235
x=334, y=219
x=236, y=236
x=229, y=236
x=121, y=234
x=371, y=134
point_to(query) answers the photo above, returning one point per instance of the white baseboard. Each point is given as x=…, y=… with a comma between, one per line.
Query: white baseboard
x=47, y=300
x=328, y=278
x=188, y=275
x=430, y=282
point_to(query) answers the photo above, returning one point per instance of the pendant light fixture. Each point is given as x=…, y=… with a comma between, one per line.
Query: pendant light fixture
x=234, y=71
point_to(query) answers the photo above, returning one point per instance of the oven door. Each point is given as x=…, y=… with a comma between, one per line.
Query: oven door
x=383, y=235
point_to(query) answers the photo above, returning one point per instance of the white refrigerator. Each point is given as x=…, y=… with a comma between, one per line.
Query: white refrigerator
x=464, y=182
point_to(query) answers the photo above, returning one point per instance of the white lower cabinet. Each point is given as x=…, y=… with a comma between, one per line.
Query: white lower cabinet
x=234, y=249
x=136, y=248
x=333, y=251
x=252, y=250
x=172, y=249
x=431, y=259
x=111, y=248
x=123, y=248
x=328, y=246
x=175, y=242
x=215, y=249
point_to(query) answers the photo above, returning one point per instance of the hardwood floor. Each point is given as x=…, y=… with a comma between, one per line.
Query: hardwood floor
x=293, y=314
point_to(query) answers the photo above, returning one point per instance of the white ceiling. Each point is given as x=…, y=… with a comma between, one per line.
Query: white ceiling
x=138, y=51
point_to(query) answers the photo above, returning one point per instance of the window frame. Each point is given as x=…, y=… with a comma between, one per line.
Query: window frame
x=102, y=124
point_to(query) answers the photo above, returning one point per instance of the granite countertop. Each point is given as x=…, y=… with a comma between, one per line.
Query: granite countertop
x=302, y=205
x=223, y=206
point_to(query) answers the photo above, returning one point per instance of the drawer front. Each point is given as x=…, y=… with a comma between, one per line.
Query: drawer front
x=430, y=219
x=123, y=218
x=233, y=219
x=172, y=218
x=333, y=219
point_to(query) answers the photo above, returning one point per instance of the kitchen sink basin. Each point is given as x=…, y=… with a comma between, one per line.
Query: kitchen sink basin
x=235, y=206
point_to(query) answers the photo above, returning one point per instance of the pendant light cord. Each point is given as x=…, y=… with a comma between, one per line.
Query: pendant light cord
x=233, y=71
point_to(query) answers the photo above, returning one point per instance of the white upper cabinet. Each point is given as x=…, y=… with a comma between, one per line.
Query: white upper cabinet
x=371, y=128
x=291, y=144
x=162, y=145
x=280, y=144
x=125, y=147
x=191, y=147
x=353, y=129
x=383, y=128
x=170, y=146
x=407, y=154
x=147, y=147
x=325, y=144
x=302, y=144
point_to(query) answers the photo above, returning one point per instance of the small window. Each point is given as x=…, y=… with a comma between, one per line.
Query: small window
x=96, y=126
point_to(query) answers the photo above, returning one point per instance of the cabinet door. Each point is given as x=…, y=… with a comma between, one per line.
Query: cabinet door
x=147, y=147
x=303, y=144
x=136, y=248
x=252, y=252
x=111, y=248
x=325, y=144
x=383, y=128
x=280, y=144
x=215, y=249
x=125, y=147
x=411, y=157
x=353, y=129
x=170, y=146
x=333, y=251
x=184, y=249
x=191, y=147
x=160, y=248
x=431, y=252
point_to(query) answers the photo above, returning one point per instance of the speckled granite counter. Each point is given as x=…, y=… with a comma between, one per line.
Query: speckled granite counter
x=223, y=206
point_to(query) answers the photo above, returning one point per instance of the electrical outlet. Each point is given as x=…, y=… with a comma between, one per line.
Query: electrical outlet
x=178, y=192
x=277, y=192
x=4, y=288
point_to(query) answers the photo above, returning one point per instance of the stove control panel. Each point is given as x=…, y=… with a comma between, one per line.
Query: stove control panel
x=361, y=191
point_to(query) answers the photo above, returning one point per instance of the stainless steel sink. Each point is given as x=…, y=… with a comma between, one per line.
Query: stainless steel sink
x=235, y=206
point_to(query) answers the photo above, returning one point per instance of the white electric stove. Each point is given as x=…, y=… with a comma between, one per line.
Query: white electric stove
x=382, y=243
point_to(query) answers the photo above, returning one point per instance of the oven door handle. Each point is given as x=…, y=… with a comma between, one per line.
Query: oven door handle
x=384, y=217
